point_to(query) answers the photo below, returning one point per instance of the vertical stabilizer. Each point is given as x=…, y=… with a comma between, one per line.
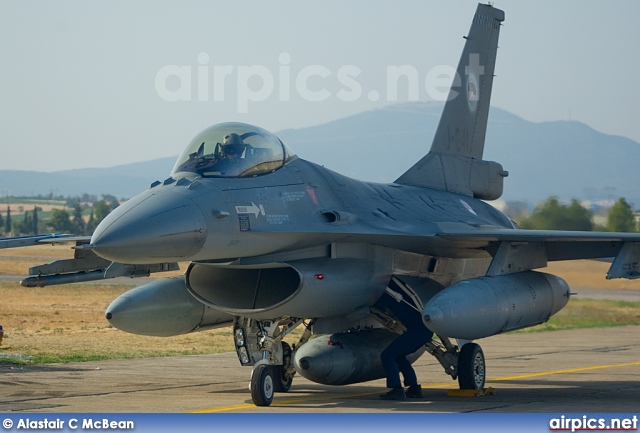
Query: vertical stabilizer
x=454, y=162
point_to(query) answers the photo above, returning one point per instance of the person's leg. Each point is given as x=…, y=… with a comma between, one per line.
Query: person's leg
x=391, y=369
x=408, y=373
x=413, y=342
x=392, y=372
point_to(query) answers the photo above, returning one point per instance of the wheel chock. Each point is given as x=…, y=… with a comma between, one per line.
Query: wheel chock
x=470, y=392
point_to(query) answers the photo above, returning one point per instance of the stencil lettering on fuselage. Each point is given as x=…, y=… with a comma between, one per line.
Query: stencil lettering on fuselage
x=245, y=223
x=253, y=209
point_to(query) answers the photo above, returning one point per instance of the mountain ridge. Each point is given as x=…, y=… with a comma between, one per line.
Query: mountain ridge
x=563, y=158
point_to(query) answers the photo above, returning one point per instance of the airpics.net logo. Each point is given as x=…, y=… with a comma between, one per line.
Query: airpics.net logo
x=590, y=423
x=313, y=83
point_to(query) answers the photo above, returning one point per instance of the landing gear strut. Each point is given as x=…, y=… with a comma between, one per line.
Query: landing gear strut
x=466, y=364
x=259, y=344
x=283, y=374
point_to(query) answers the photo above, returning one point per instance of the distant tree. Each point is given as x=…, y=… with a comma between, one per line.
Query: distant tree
x=7, y=221
x=27, y=223
x=578, y=217
x=1, y=223
x=23, y=226
x=516, y=210
x=88, y=198
x=78, y=219
x=60, y=221
x=101, y=209
x=552, y=215
x=34, y=228
x=112, y=200
x=621, y=218
x=91, y=224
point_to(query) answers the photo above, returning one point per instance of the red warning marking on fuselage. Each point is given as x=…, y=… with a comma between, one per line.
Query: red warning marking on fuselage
x=312, y=194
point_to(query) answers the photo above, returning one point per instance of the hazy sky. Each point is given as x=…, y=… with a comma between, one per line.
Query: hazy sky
x=89, y=84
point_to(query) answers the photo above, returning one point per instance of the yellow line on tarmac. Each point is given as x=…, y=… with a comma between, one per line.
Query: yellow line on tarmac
x=288, y=401
x=569, y=370
x=225, y=409
x=444, y=385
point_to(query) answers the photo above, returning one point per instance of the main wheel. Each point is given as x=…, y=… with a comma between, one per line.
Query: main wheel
x=471, y=367
x=282, y=383
x=262, y=387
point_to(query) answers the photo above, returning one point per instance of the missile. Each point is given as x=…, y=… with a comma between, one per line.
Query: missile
x=346, y=357
x=163, y=308
x=480, y=307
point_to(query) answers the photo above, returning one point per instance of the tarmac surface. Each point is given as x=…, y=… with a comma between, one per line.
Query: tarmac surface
x=578, y=371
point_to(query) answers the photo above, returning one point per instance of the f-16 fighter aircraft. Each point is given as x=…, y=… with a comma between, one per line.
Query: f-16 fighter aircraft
x=276, y=242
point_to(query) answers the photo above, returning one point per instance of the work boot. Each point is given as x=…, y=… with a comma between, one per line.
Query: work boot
x=395, y=394
x=414, y=391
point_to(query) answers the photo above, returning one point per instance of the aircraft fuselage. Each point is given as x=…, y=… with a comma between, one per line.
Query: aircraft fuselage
x=302, y=205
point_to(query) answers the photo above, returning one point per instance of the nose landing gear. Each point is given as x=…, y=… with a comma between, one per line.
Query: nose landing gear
x=259, y=344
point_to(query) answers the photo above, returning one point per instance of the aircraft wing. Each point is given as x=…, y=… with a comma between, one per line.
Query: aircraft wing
x=513, y=250
x=560, y=245
x=31, y=240
x=552, y=245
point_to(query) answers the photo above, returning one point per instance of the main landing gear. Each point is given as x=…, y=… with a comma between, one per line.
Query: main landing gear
x=471, y=367
x=466, y=364
x=259, y=343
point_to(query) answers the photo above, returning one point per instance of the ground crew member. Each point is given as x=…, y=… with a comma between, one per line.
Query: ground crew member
x=394, y=357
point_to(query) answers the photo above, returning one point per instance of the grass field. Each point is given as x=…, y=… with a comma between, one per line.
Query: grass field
x=66, y=323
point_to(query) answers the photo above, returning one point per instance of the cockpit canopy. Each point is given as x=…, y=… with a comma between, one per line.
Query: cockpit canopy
x=233, y=150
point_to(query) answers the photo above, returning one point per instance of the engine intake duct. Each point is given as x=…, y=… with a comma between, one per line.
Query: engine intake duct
x=319, y=287
x=242, y=289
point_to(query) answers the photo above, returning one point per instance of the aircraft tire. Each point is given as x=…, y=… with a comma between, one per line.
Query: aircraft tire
x=262, y=385
x=281, y=382
x=471, y=367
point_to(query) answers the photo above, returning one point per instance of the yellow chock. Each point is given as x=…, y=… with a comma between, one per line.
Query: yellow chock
x=470, y=392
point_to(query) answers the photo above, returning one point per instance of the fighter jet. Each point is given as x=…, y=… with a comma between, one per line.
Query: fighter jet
x=275, y=242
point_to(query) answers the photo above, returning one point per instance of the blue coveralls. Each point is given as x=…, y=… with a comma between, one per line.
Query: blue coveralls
x=394, y=357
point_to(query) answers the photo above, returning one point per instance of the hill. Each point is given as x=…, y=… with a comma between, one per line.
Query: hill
x=565, y=158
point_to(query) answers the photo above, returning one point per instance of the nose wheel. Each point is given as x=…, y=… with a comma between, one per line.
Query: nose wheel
x=262, y=385
x=471, y=367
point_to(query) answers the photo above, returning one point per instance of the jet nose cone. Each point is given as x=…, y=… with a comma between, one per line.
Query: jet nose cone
x=153, y=227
